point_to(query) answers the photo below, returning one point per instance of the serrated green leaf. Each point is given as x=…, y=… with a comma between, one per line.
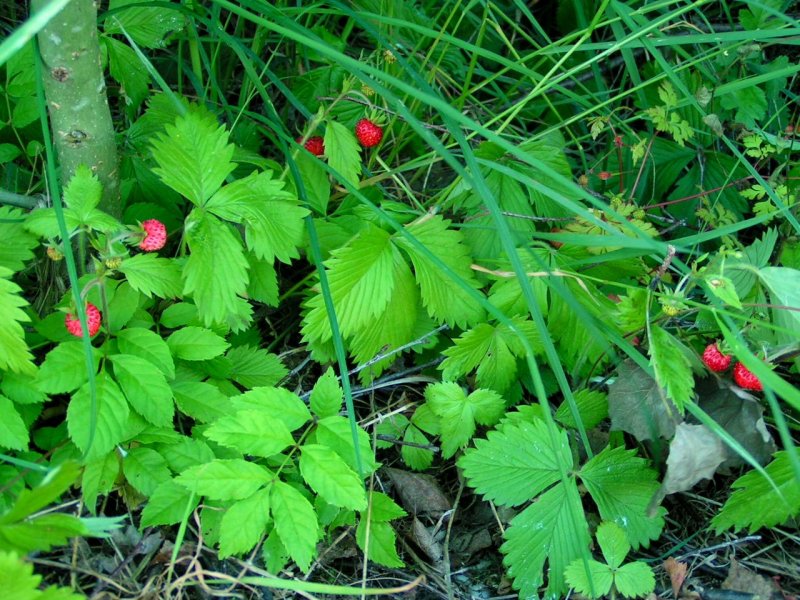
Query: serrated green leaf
x=168, y=504
x=21, y=388
x=749, y=102
x=255, y=432
x=315, y=181
x=253, y=367
x=148, y=26
x=225, y=479
x=784, y=286
x=622, y=486
x=755, y=503
x=592, y=407
x=263, y=284
x=380, y=547
x=145, y=469
x=514, y=465
x=415, y=457
x=459, y=412
x=18, y=581
x=553, y=528
x=335, y=432
x=128, y=70
x=13, y=432
x=328, y=475
x=111, y=417
x=635, y=580
x=342, y=151
x=148, y=345
x=196, y=343
x=14, y=352
x=145, y=388
x=83, y=192
x=672, y=368
x=193, y=156
x=153, y=275
x=200, y=400
x=244, y=523
x=326, y=396
x=383, y=509
x=295, y=522
x=444, y=299
x=98, y=478
x=42, y=222
x=613, y=543
x=216, y=272
x=595, y=584
x=280, y=403
x=63, y=369
x=188, y=452
x=16, y=244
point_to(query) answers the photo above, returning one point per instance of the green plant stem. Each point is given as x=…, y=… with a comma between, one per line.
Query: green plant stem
x=29, y=202
x=75, y=92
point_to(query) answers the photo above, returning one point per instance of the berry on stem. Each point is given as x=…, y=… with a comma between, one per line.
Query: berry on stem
x=315, y=145
x=745, y=379
x=93, y=320
x=155, y=235
x=368, y=133
x=715, y=360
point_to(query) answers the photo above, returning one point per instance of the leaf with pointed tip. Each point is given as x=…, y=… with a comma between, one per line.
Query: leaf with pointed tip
x=148, y=345
x=326, y=396
x=278, y=402
x=169, y=503
x=342, y=150
x=196, y=343
x=13, y=432
x=671, y=366
x=328, y=475
x=254, y=432
x=153, y=275
x=14, y=352
x=295, y=521
x=111, y=417
x=225, y=479
x=145, y=469
x=243, y=524
x=145, y=388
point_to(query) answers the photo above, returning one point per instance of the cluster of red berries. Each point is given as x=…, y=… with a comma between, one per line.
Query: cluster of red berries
x=368, y=133
x=719, y=362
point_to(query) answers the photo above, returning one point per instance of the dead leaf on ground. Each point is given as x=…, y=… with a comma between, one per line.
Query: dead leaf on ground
x=427, y=541
x=677, y=574
x=742, y=579
x=419, y=494
x=694, y=454
x=638, y=406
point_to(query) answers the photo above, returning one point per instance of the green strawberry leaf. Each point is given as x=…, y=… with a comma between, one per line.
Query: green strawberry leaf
x=145, y=387
x=14, y=352
x=326, y=396
x=169, y=503
x=244, y=523
x=343, y=152
x=148, y=345
x=225, y=479
x=295, y=522
x=145, y=469
x=279, y=403
x=153, y=275
x=594, y=584
x=672, y=368
x=327, y=474
x=196, y=343
x=255, y=432
x=111, y=416
x=380, y=547
x=13, y=432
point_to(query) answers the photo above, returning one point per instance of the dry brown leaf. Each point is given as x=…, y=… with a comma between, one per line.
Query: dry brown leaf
x=426, y=541
x=742, y=579
x=677, y=574
x=419, y=494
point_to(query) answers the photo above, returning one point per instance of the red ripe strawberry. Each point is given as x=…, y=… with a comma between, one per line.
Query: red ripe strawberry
x=604, y=175
x=93, y=320
x=315, y=145
x=745, y=379
x=716, y=360
x=155, y=235
x=368, y=133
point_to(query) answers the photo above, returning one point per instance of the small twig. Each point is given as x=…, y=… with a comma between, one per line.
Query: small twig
x=29, y=202
x=736, y=542
x=394, y=440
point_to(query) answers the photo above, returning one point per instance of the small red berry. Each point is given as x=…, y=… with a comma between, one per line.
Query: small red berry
x=715, y=360
x=155, y=235
x=93, y=320
x=604, y=175
x=618, y=141
x=368, y=133
x=315, y=145
x=745, y=379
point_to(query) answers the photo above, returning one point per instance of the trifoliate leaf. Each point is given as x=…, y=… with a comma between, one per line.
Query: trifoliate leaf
x=225, y=479
x=594, y=584
x=196, y=343
x=153, y=275
x=254, y=432
x=254, y=367
x=14, y=353
x=672, y=368
x=193, y=156
x=111, y=413
x=622, y=486
x=327, y=474
x=216, y=271
x=445, y=299
x=326, y=397
x=342, y=151
x=295, y=522
x=13, y=432
x=148, y=345
x=279, y=403
x=145, y=387
x=755, y=503
x=145, y=469
x=244, y=523
x=514, y=465
x=552, y=529
x=169, y=503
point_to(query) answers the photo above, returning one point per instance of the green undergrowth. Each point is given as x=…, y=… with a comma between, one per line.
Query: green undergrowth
x=561, y=217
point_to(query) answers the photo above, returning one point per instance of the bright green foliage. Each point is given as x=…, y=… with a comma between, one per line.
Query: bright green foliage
x=459, y=413
x=98, y=478
x=19, y=583
x=335, y=433
x=168, y=504
x=755, y=503
x=225, y=479
x=147, y=344
x=343, y=152
x=592, y=407
x=112, y=416
x=329, y=476
x=532, y=461
x=196, y=343
x=254, y=432
x=666, y=119
x=279, y=403
x=493, y=351
x=13, y=433
x=671, y=366
x=380, y=546
x=14, y=353
x=326, y=397
x=145, y=469
x=194, y=156
x=243, y=524
x=63, y=369
x=152, y=275
x=145, y=387
x=632, y=580
x=16, y=244
x=295, y=522
x=253, y=367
